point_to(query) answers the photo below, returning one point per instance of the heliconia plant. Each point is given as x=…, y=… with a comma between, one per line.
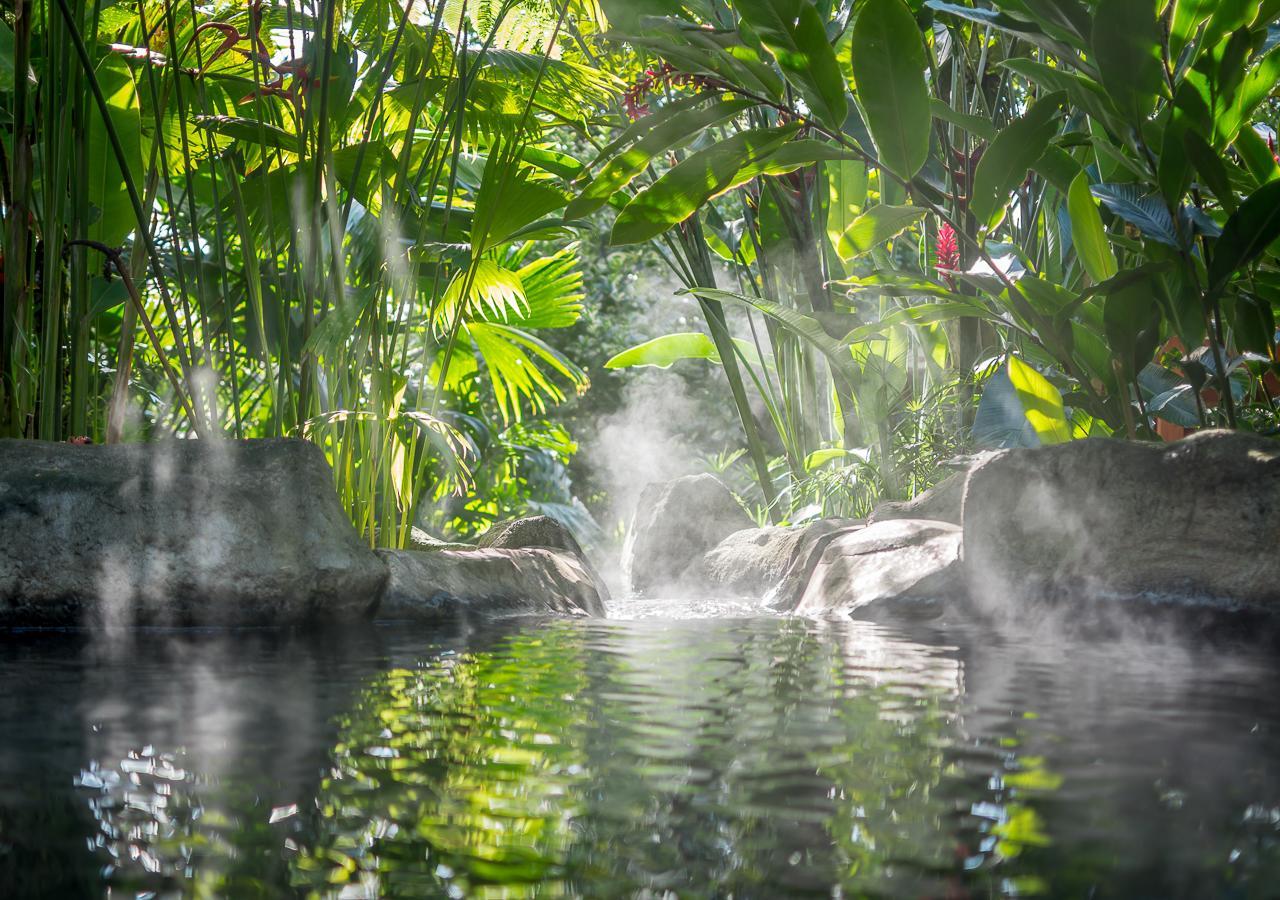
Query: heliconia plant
x=1027, y=201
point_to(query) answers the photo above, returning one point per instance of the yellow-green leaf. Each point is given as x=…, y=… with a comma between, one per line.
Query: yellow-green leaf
x=1041, y=403
x=1087, y=234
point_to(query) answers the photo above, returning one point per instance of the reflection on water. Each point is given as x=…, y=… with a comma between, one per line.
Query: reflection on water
x=752, y=757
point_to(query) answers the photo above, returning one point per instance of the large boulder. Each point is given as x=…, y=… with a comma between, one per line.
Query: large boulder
x=177, y=532
x=940, y=503
x=899, y=567
x=676, y=522
x=541, y=531
x=462, y=585
x=1196, y=522
x=754, y=561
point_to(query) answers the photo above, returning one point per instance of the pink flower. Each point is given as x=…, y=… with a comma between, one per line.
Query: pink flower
x=947, y=252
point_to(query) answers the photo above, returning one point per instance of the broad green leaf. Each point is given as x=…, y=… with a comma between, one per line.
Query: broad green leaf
x=1228, y=16
x=704, y=175
x=626, y=14
x=1253, y=227
x=875, y=226
x=1208, y=164
x=1254, y=323
x=1000, y=421
x=1015, y=150
x=7, y=70
x=847, y=194
x=1132, y=317
x=889, y=67
x=1083, y=90
x=663, y=352
x=1257, y=156
x=794, y=32
x=1087, y=234
x=1146, y=211
x=978, y=126
x=250, y=131
x=1126, y=42
x=672, y=131
x=1041, y=403
x=1057, y=167
x=1188, y=15
x=821, y=457
x=1028, y=31
x=106, y=182
x=803, y=326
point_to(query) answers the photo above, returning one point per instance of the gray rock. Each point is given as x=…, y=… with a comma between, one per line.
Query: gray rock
x=676, y=522
x=1197, y=521
x=179, y=532
x=790, y=587
x=941, y=503
x=422, y=540
x=462, y=585
x=754, y=561
x=903, y=566
x=541, y=531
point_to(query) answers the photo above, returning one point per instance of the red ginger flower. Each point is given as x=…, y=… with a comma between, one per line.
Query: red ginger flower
x=947, y=252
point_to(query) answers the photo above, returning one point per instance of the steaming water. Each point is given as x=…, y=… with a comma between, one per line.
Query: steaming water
x=655, y=757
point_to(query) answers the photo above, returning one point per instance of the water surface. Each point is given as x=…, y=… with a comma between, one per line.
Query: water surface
x=748, y=756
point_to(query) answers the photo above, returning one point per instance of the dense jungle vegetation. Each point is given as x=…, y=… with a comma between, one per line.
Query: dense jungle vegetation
x=426, y=234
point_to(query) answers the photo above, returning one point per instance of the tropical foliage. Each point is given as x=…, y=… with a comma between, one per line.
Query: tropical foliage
x=910, y=228
x=1069, y=209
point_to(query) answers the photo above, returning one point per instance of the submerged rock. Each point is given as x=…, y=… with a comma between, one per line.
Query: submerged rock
x=1195, y=521
x=178, y=532
x=545, y=532
x=753, y=562
x=903, y=566
x=451, y=585
x=676, y=522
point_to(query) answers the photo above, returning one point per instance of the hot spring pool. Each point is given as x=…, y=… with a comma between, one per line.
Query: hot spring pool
x=726, y=757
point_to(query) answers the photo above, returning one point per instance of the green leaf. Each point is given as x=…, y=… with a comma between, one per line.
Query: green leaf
x=667, y=132
x=805, y=327
x=1041, y=403
x=1253, y=227
x=1087, y=234
x=875, y=226
x=1187, y=18
x=1028, y=31
x=8, y=73
x=821, y=457
x=1083, y=91
x=794, y=32
x=1057, y=167
x=1015, y=150
x=703, y=176
x=1132, y=317
x=663, y=352
x=106, y=183
x=1212, y=171
x=889, y=67
x=626, y=14
x=1257, y=155
x=250, y=131
x=1147, y=212
x=1126, y=43
x=978, y=126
